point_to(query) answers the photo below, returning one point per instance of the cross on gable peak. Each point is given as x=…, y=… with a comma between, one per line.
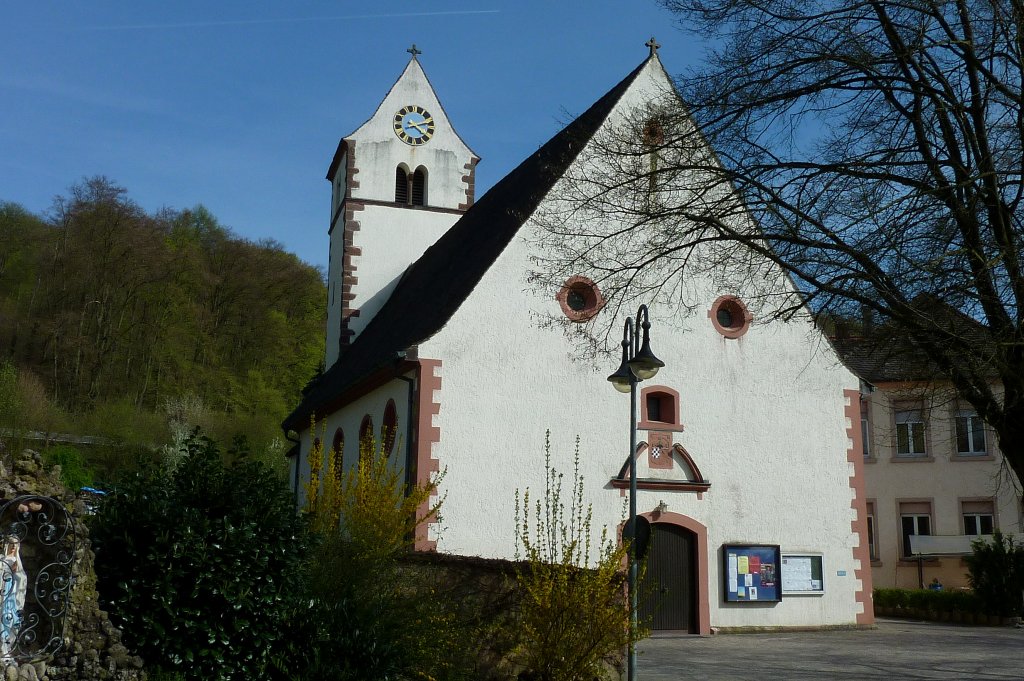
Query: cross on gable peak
x=414, y=51
x=653, y=44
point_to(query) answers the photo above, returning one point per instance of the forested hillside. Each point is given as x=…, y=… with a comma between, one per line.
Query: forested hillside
x=121, y=317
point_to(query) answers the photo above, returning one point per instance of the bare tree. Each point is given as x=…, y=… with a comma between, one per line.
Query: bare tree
x=870, y=149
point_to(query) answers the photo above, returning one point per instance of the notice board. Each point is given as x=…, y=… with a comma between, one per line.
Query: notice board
x=803, y=574
x=751, y=573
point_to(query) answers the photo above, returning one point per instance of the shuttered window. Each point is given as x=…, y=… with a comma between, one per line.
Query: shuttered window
x=401, y=186
x=419, y=187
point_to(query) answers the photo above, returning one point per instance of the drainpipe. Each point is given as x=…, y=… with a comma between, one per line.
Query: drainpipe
x=410, y=462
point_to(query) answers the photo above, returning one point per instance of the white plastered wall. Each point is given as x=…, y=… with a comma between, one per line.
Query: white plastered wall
x=764, y=418
x=378, y=151
x=390, y=239
x=349, y=418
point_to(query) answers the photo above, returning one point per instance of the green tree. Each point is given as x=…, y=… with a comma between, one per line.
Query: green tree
x=870, y=149
x=198, y=565
x=995, y=571
x=115, y=311
x=574, y=621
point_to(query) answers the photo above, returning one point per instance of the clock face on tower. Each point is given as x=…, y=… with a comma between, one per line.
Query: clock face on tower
x=414, y=125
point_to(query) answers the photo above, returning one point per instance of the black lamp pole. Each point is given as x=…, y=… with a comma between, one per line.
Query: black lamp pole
x=638, y=364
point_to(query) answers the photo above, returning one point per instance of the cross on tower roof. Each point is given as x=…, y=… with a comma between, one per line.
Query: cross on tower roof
x=413, y=51
x=652, y=43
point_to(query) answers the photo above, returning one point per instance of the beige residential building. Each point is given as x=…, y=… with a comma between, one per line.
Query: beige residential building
x=932, y=468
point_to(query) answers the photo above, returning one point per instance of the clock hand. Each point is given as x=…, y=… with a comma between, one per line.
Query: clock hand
x=419, y=126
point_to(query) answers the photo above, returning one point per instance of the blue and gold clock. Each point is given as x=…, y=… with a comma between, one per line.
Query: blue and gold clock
x=414, y=125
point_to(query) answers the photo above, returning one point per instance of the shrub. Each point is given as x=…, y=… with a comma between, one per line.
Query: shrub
x=926, y=599
x=198, y=566
x=995, y=571
x=74, y=472
x=885, y=598
x=919, y=599
x=369, y=618
x=574, y=618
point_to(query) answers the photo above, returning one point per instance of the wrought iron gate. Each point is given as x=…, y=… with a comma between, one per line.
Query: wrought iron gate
x=38, y=540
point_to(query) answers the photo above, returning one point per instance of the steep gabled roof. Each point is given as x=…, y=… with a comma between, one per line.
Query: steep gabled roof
x=435, y=286
x=885, y=353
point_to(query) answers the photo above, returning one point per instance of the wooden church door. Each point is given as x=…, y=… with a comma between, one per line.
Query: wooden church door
x=668, y=592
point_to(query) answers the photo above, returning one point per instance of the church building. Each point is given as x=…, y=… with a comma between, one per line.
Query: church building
x=749, y=463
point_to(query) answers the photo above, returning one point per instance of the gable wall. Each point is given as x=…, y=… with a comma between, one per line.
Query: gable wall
x=765, y=418
x=379, y=151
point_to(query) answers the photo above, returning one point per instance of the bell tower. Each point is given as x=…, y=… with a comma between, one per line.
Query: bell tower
x=397, y=184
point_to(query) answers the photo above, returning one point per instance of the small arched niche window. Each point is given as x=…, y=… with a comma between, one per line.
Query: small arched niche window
x=653, y=138
x=419, y=187
x=402, y=185
x=389, y=427
x=659, y=409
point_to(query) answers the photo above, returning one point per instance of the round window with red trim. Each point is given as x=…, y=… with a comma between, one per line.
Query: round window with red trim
x=580, y=298
x=730, y=316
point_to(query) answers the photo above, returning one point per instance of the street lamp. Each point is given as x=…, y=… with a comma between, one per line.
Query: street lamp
x=638, y=364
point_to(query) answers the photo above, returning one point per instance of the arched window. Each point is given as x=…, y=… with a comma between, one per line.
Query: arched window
x=659, y=409
x=401, y=185
x=419, y=187
x=389, y=428
x=365, y=439
x=338, y=452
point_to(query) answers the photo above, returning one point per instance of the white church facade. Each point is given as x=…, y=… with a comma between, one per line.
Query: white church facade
x=749, y=465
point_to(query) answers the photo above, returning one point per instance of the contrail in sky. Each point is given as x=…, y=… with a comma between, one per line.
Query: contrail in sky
x=285, y=20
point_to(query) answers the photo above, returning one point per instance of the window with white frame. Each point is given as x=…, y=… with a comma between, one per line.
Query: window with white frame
x=872, y=532
x=910, y=432
x=865, y=434
x=970, y=434
x=979, y=517
x=915, y=520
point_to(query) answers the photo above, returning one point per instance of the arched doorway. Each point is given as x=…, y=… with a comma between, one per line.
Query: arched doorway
x=669, y=593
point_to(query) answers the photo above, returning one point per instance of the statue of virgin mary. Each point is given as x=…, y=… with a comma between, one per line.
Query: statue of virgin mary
x=13, y=587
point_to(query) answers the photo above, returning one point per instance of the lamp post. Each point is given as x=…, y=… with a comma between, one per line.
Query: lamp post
x=638, y=364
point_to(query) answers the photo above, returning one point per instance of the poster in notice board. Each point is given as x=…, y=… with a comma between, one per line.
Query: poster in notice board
x=752, y=573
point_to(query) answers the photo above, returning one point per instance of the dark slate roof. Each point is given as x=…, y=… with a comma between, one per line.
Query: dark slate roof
x=433, y=287
x=886, y=353
x=882, y=358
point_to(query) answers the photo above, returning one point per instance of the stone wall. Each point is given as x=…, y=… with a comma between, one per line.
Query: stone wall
x=92, y=648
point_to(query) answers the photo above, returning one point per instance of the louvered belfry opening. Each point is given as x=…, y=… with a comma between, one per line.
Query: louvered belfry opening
x=401, y=185
x=419, y=187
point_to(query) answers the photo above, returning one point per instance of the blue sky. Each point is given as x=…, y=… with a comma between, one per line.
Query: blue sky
x=239, y=106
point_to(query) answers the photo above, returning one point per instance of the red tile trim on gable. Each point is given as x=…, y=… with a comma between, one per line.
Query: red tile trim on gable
x=348, y=270
x=428, y=406
x=350, y=169
x=470, y=179
x=349, y=252
x=859, y=525
x=703, y=591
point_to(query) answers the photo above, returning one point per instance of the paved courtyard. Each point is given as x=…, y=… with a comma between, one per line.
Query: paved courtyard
x=897, y=649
